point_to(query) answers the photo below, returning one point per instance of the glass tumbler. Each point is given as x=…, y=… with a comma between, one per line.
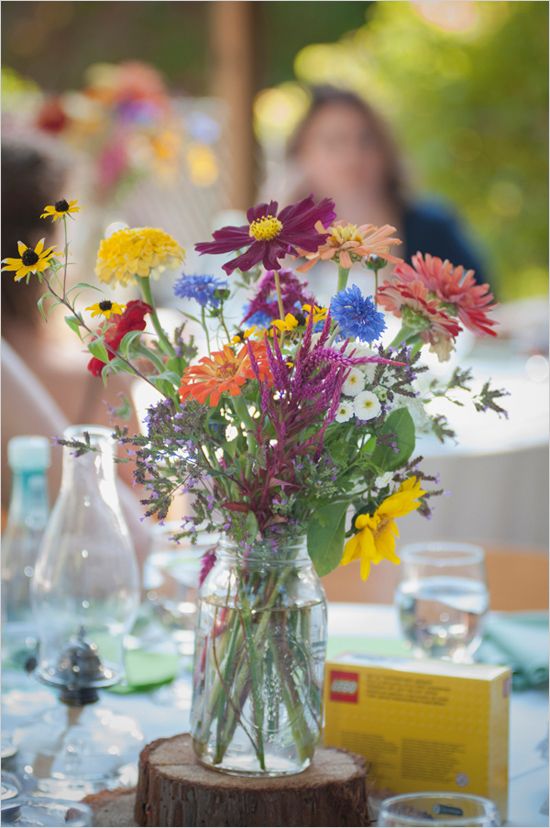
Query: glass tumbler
x=442, y=599
x=448, y=809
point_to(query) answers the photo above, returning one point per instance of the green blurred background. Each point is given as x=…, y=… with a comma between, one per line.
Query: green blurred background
x=464, y=85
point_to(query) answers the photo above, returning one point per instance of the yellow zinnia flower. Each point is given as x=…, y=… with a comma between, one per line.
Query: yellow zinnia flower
x=137, y=252
x=375, y=538
x=105, y=308
x=32, y=260
x=60, y=208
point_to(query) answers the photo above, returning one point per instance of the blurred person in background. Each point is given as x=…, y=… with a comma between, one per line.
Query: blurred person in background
x=45, y=384
x=343, y=149
x=33, y=175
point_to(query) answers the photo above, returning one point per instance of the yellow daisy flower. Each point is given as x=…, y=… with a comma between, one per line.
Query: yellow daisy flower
x=375, y=538
x=60, y=208
x=242, y=336
x=32, y=260
x=106, y=308
x=137, y=252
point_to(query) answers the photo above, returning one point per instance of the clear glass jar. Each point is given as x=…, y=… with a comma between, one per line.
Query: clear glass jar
x=85, y=589
x=259, y=661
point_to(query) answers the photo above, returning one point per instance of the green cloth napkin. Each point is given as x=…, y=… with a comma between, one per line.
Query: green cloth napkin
x=520, y=640
x=147, y=670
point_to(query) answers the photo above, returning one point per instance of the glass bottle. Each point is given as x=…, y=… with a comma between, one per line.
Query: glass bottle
x=85, y=590
x=29, y=460
x=259, y=660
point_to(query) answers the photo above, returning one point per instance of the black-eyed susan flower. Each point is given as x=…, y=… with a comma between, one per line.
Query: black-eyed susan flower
x=243, y=335
x=318, y=312
x=106, y=308
x=31, y=260
x=142, y=252
x=289, y=323
x=60, y=208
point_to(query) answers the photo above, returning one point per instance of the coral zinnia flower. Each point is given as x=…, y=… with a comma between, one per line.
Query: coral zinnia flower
x=60, y=208
x=375, y=538
x=349, y=243
x=455, y=287
x=223, y=371
x=270, y=235
x=421, y=314
x=137, y=252
x=105, y=308
x=31, y=260
x=132, y=319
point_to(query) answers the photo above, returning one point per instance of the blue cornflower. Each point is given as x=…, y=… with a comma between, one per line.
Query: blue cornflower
x=261, y=319
x=203, y=289
x=357, y=315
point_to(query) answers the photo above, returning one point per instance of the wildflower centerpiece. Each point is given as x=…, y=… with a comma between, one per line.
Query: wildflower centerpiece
x=293, y=439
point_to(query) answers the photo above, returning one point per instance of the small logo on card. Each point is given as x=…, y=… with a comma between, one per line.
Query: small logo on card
x=344, y=687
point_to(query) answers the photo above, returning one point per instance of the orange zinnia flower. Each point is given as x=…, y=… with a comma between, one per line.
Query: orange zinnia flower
x=223, y=371
x=349, y=243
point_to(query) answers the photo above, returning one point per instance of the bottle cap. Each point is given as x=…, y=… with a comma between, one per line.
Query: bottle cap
x=29, y=453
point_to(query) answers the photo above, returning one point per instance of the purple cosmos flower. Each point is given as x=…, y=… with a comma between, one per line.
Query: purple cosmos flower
x=293, y=293
x=357, y=315
x=270, y=235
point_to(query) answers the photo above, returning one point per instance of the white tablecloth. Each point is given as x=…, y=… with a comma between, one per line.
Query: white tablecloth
x=529, y=714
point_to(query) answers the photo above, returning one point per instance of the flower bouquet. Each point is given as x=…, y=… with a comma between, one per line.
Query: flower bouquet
x=293, y=438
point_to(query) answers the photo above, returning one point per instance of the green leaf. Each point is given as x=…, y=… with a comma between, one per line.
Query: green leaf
x=84, y=285
x=98, y=349
x=325, y=536
x=251, y=526
x=400, y=427
x=42, y=307
x=127, y=343
x=74, y=324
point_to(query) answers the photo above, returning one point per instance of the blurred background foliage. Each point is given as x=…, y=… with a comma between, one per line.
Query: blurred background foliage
x=463, y=84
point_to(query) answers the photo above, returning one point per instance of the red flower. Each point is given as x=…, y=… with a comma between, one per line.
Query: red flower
x=454, y=287
x=411, y=300
x=269, y=235
x=132, y=319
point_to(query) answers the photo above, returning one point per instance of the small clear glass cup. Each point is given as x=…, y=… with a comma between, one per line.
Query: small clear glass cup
x=445, y=809
x=442, y=599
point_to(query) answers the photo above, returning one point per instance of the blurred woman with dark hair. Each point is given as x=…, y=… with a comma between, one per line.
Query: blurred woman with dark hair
x=45, y=384
x=343, y=149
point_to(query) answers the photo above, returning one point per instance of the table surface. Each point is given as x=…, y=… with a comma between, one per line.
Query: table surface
x=528, y=726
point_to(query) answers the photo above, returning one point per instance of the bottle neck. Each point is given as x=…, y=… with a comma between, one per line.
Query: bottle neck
x=90, y=469
x=29, y=498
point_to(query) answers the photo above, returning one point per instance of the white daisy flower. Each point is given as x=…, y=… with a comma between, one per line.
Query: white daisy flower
x=345, y=412
x=354, y=384
x=231, y=433
x=366, y=406
x=384, y=480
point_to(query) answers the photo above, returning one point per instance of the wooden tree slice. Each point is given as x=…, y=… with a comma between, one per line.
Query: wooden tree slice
x=175, y=790
x=113, y=809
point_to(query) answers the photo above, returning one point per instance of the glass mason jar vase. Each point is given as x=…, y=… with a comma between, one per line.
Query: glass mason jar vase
x=259, y=661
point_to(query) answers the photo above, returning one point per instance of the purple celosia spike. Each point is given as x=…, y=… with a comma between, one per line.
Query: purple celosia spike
x=207, y=563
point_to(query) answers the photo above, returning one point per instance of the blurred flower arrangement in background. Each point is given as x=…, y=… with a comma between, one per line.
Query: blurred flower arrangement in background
x=126, y=124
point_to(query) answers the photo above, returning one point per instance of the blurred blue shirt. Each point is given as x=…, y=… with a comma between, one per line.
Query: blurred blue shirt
x=431, y=227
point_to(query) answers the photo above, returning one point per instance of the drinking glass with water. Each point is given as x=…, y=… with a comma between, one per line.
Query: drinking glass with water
x=452, y=810
x=442, y=599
